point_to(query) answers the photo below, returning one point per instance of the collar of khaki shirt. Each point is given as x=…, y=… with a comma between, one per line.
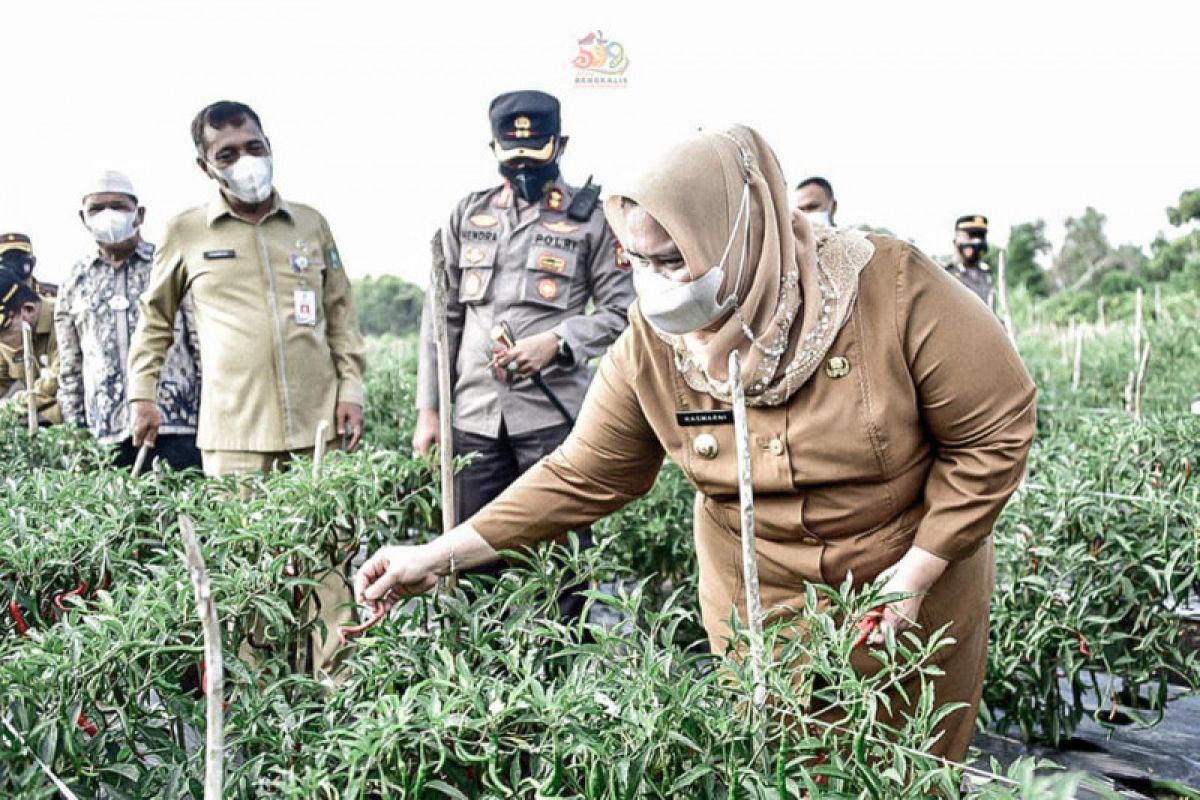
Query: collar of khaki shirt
x=219, y=207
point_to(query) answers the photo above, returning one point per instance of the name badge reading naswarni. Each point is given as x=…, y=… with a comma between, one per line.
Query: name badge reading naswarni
x=689, y=419
x=304, y=306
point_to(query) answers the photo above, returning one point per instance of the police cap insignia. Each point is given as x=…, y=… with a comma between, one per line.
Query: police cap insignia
x=528, y=119
x=972, y=222
x=15, y=241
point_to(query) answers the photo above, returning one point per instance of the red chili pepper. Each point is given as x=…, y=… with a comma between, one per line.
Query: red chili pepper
x=1083, y=644
x=85, y=723
x=868, y=624
x=346, y=632
x=76, y=592
x=15, y=610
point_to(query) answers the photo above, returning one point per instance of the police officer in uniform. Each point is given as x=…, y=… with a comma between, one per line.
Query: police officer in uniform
x=16, y=254
x=970, y=245
x=20, y=303
x=530, y=255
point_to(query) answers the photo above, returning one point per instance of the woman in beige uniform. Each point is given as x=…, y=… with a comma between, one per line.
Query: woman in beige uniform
x=890, y=418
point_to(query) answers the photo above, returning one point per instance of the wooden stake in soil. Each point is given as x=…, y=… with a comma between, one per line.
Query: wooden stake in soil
x=319, y=447
x=754, y=612
x=1077, y=373
x=30, y=377
x=140, y=462
x=445, y=398
x=440, y=282
x=1101, y=326
x=1137, y=326
x=1139, y=385
x=214, y=755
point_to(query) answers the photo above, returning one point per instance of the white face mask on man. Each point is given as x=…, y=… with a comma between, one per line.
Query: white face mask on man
x=820, y=218
x=112, y=225
x=678, y=308
x=249, y=178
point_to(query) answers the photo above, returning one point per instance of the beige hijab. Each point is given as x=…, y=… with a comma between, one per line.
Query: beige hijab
x=694, y=191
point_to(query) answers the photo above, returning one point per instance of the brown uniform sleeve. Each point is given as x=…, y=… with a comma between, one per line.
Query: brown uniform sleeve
x=346, y=344
x=977, y=402
x=155, y=330
x=610, y=459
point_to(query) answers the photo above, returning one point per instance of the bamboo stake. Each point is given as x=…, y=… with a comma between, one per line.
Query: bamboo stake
x=1006, y=311
x=140, y=462
x=754, y=612
x=1077, y=373
x=319, y=447
x=1101, y=325
x=1137, y=326
x=1139, y=388
x=30, y=376
x=214, y=756
x=440, y=283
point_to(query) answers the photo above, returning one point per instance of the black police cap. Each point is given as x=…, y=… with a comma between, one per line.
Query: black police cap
x=972, y=223
x=526, y=119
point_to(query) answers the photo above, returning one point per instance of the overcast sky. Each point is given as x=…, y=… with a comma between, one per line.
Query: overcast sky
x=917, y=112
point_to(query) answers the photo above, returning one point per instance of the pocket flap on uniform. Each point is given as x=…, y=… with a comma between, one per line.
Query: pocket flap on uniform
x=475, y=284
x=552, y=261
x=477, y=255
x=547, y=289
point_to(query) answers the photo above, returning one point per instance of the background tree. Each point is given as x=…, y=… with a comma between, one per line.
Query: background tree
x=388, y=304
x=1187, y=210
x=1087, y=255
x=1026, y=241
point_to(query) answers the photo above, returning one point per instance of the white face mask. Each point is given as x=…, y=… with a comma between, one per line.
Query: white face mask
x=111, y=225
x=249, y=179
x=679, y=308
x=820, y=218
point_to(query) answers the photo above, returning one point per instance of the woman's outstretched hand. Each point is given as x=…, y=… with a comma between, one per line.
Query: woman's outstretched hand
x=398, y=571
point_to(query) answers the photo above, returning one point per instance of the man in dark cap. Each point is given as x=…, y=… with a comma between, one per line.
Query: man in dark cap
x=16, y=254
x=970, y=245
x=526, y=257
x=20, y=304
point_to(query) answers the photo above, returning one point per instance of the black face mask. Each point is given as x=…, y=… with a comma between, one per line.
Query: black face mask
x=977, y=248
x=529, y=179
x=20, y=263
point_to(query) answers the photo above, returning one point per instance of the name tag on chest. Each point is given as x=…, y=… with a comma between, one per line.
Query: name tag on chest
x=690, y=419
x=304, y=306
x=213, y=255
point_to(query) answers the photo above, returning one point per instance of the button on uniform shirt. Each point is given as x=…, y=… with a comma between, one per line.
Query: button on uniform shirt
x=45, y=383
x=538, y=270
x=95, y=319
x=279, y=340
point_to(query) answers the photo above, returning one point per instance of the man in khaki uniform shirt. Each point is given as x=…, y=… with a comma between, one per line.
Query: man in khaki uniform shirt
x=278, y=337
x=279, y=342
x=19, y=303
